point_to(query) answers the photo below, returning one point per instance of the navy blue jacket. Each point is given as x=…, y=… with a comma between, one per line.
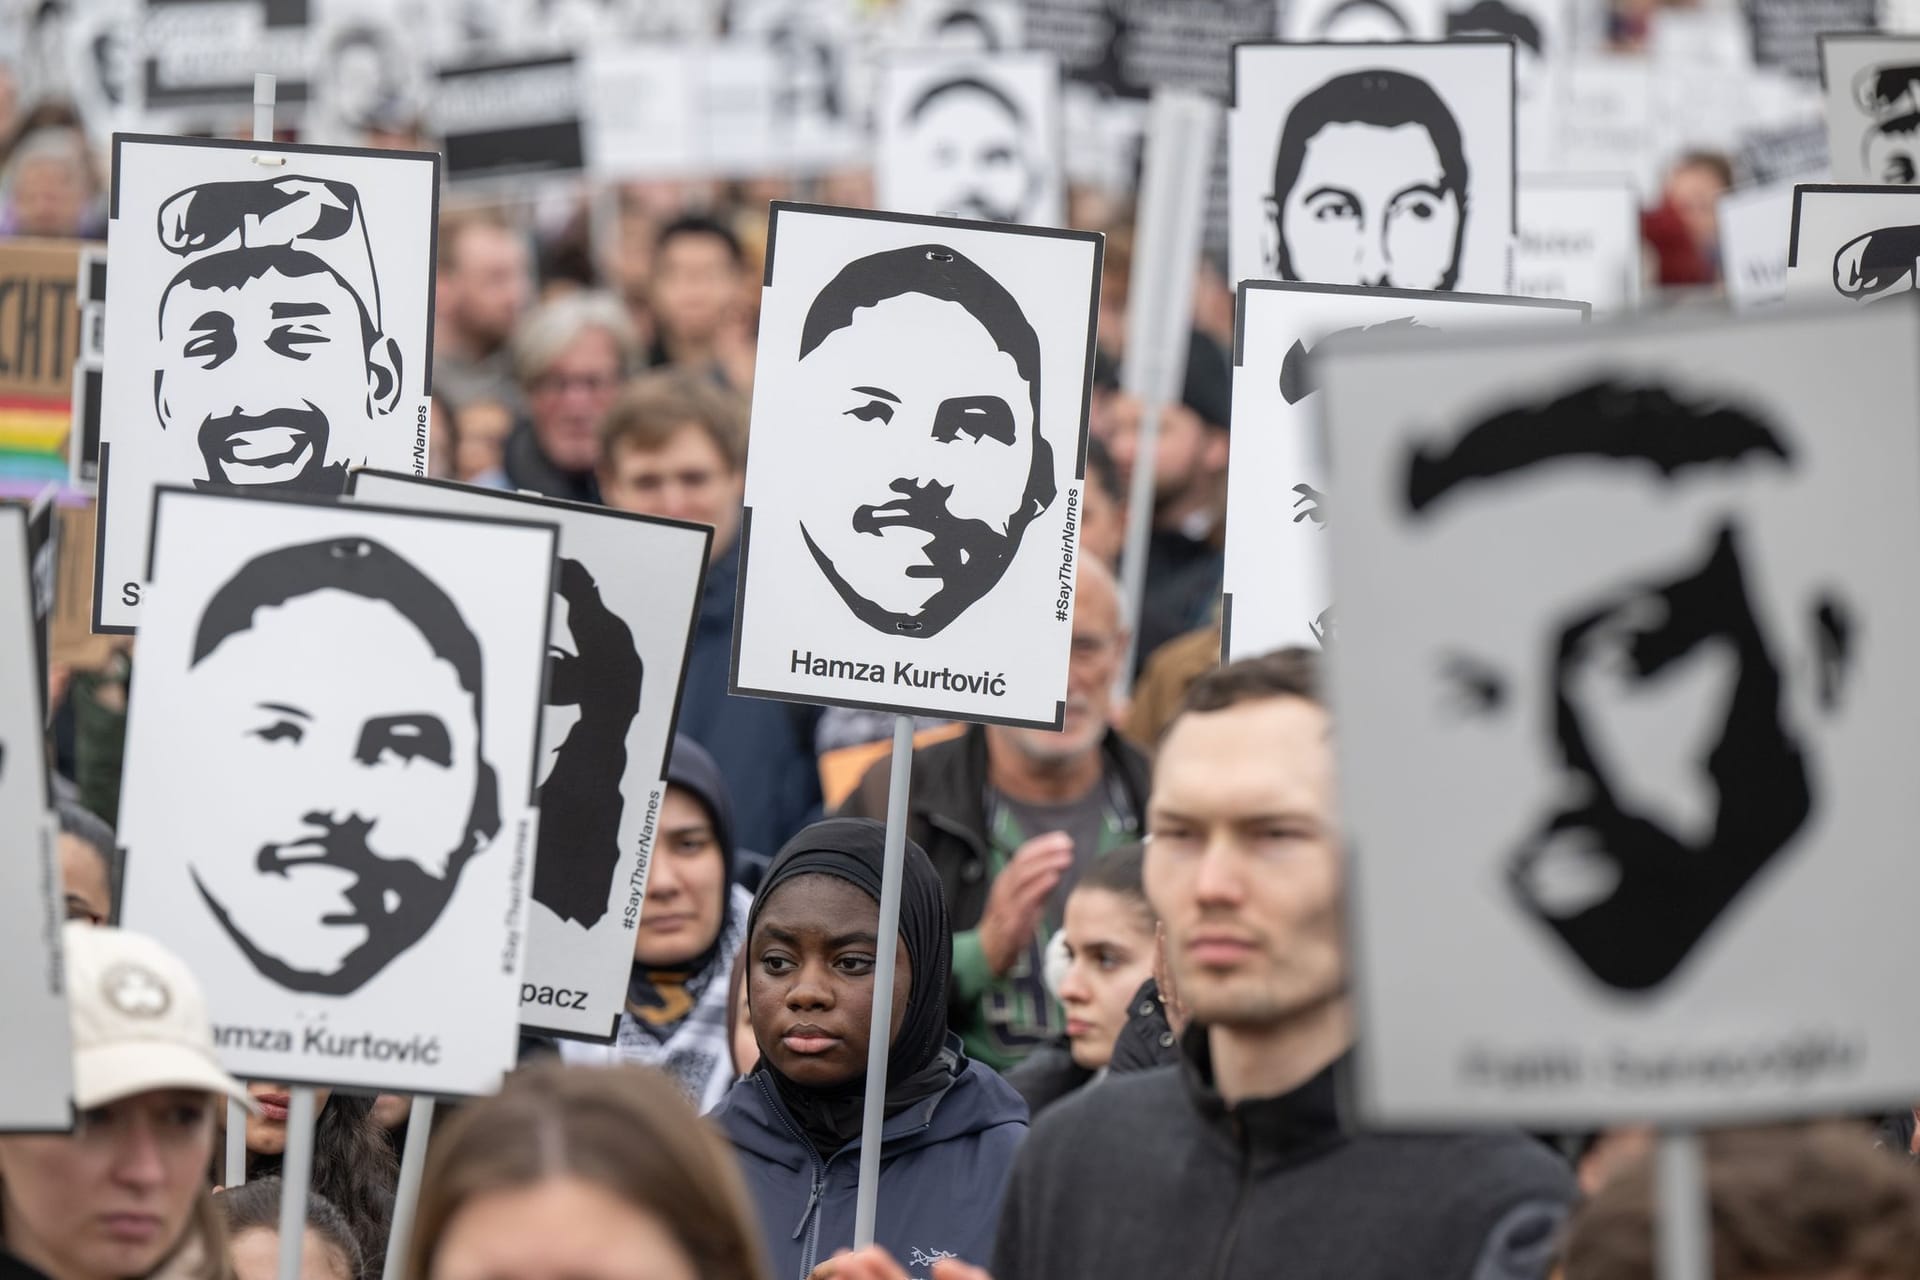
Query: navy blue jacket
x=764, y=749
x=943, y=1168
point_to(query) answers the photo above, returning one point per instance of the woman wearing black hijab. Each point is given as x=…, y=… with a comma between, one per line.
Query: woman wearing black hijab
x=952, y=1125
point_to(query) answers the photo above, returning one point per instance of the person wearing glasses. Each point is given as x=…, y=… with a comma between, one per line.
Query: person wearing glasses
x=571, y=355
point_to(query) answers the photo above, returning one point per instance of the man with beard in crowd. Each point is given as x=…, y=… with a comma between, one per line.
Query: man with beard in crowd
x=1251, y=1168
x=482, y=285
x=1010, y=817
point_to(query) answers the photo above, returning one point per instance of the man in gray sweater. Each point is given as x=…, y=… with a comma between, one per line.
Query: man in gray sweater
x=1236, y=1162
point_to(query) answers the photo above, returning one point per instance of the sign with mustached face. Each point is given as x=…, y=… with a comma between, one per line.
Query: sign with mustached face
x=330, y=780
x=1384, y=165
x=269, y=328
x=1873, y=106
x=972, y=137
x=1853, y=244
x=35, y=1055
x=1616, y=691
x=913, y=486
x=625, y=596
x=1279, y=511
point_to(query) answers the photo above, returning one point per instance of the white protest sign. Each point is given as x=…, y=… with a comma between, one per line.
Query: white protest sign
x=703, y=109
x=817, y=86
x=330, y=769
x=1852, y=243
x=625, y=596
x=1278, y=512
x=1616, y=697
x=36, y=1057
x=371, y=69
x=1872, y=87
x=1373, y=164
x=1579, y=238
x=1542, y=32
x=1755, y=234
x=269, y=327
x=1610, y=120
x=505, y=120
x=960, y=26
x=914, y=485
x=971, y=137
x=1362, y=21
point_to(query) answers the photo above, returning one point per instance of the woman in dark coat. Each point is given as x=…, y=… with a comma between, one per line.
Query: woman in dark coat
x=952, y=1126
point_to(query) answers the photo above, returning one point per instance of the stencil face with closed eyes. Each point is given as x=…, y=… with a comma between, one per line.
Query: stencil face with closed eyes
x=920, y=376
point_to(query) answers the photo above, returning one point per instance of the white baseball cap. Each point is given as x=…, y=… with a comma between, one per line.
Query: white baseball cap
x=139, y=1020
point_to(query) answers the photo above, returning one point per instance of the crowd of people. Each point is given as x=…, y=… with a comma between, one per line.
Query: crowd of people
x=1121, y=1021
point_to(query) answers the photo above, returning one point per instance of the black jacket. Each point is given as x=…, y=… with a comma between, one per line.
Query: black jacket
x=1146, y=1041
x=1153, y=1175
x=947, y=810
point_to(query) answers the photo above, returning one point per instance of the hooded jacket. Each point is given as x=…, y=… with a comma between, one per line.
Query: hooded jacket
x=943, y=1164
x=1153, y=1174
x=765, y=748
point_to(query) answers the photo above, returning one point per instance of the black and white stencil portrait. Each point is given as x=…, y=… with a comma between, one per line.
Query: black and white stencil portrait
x=329, y=778
x=1362, y=21
x=1614, y=687
x=913, y=489
x=972, y=137
x=1853, y=244
x=1873, y=107
x=625, y=594
x=35, y=1056
x=1380, y=165
x=268, y=328
x=1278, y=505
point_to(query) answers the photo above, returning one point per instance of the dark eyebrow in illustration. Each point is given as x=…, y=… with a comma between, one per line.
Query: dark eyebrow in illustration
x=876, y=391
x=295, y=310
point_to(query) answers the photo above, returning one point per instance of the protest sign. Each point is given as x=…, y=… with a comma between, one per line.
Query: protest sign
x=688, y=110
x=971, y=137
x=1373, y=164
x=1542, y=34
x=1364, y=22
x=1786, y=32
x=914, y=485
x=198, y=59
x=1872, y=86
x=819, y=94
x=1579, y=238
x=510, y=119
x=269, y=327
x=89, y=371
x=625, y=597
x=36, y=1058
x=371, y=69
x=1610, y=121
x=1614, y=695
x=1756, y=230
x=328, y=804
x=39, y=344
x=1275, y=584
x=1852, y=243
x=960, y=26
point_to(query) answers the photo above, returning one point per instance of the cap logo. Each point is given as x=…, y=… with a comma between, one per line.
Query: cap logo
x=136, y=991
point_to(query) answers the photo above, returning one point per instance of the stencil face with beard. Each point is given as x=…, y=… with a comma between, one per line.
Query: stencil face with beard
x=593, y=694
x=345, y=783
x=920, y=377
x=1653, y=692
x=273, y=370
x=968, y=153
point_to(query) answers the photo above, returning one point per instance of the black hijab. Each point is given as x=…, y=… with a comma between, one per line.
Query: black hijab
x=918, y=1065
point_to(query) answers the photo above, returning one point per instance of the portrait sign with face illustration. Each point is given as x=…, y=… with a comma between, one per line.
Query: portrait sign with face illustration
x=331, y=778
x=914, y=486
x=625, y=596
x=972, y=137
x=1616, y=693
x=34, y=1056
x=269, y=328
x=1872, y=85
x=1278, y=509
x=1380, y=165
x=1853, y=244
